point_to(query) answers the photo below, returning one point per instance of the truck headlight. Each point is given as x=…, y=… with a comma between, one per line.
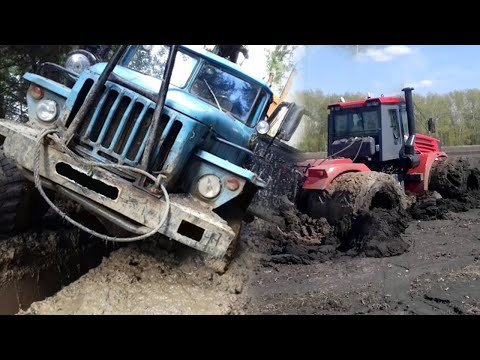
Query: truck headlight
x=209, y=186
x=47, y=110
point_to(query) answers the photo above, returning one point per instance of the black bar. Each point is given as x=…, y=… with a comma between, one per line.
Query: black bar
x=157, y=114
x=94, y=93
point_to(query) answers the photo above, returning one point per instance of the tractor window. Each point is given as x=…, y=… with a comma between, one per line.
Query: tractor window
x=341, y=124
x=371, y=120
x=357, y=123
x=403, y=114
x=360, y=122
x=395, y=126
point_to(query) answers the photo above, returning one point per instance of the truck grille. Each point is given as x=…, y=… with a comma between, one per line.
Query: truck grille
x=117, y=126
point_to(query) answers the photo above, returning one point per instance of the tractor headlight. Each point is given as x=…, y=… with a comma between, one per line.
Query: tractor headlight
x=79, y=60
x=209, y=186
x=47, y=110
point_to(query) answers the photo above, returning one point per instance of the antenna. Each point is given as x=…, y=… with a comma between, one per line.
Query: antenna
x=342, y=99
x=368, y=95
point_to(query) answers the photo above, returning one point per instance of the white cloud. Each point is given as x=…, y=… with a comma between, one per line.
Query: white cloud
x=422, y=84
x=383, y=54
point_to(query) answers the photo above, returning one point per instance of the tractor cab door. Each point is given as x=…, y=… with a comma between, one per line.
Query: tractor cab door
x=392, y=139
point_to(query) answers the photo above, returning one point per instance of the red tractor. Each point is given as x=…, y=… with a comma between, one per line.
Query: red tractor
x=375, y=157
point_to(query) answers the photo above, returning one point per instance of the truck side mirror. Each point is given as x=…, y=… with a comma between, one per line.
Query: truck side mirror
x=431, y=126
x=285, y=120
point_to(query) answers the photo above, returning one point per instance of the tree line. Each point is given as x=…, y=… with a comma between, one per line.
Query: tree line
x=456, y=115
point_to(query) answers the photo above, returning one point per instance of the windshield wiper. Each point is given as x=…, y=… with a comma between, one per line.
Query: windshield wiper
x=211, y=92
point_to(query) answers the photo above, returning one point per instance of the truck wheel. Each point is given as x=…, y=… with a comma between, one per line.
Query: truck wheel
x=21, y=205
x=352, y=192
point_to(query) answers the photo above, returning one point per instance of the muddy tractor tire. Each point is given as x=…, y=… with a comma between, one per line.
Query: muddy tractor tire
x=21, y=205
x=454, y=177
x=353, y=192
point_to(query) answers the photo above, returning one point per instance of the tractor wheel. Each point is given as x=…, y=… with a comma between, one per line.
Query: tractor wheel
x=21, y=205
x=352, y=192
x=454, y=177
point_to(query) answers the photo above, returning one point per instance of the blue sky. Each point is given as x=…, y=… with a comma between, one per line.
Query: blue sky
x=385, y=69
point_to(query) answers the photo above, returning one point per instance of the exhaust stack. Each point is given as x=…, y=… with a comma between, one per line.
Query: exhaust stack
x=409, y=144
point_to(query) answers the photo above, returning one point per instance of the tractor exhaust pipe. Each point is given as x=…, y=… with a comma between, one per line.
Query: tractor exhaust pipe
x=409, y=144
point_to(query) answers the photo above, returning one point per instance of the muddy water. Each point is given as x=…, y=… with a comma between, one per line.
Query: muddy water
x=38, y=264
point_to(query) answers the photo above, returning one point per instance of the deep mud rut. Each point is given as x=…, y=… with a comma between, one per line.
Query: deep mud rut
x=380, y=261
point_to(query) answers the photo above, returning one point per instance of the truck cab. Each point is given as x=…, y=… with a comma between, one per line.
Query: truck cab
x=199, y=133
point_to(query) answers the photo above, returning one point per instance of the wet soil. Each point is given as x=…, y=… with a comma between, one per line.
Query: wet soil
x=381, y=261
x=39, y=263
x=439, y=274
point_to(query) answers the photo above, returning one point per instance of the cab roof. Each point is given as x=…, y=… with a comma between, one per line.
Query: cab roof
x=364, y=102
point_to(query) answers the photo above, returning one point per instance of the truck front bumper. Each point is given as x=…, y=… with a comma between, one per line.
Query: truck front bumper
x=189, y=222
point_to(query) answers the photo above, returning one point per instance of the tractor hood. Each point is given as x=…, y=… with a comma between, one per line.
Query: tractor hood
x=182, y=101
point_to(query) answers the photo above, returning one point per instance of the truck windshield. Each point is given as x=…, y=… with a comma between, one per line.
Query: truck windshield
x=225, y=91
x=356, y=122
x=151, y=60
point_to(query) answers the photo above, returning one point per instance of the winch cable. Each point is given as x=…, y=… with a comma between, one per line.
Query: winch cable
x=51, y=134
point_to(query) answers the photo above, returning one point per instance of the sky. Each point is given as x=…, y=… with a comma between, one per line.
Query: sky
x=386, y=69
x=377, y=69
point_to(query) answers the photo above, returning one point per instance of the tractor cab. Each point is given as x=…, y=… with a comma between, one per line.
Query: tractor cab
x=377, y=131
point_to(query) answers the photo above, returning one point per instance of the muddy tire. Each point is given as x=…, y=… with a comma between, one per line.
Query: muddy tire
x=454, y=177
x=352, y=192
x=21, y=205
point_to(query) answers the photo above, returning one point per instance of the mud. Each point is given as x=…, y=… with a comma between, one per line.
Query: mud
x=374, y=233
x=144, y=278
x=39, y=263
x=432, y=206
x=379, y=261
x=438, y=275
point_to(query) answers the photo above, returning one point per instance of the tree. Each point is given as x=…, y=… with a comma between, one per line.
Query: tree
x=280, y=62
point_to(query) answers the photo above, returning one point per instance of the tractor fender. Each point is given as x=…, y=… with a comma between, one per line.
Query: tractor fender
x=322, y=172
x=422, y=171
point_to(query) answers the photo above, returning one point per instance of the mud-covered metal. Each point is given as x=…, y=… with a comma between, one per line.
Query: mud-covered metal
x=135, y=204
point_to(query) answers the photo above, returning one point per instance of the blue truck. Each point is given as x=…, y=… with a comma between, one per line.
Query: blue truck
x=154, y=141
